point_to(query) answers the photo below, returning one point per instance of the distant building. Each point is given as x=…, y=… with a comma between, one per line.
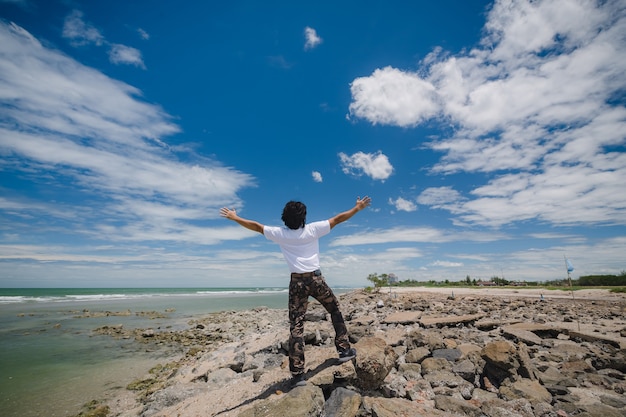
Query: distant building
x=486, y=284
x=393, y=278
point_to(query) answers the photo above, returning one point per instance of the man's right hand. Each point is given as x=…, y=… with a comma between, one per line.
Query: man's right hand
x=363, y=203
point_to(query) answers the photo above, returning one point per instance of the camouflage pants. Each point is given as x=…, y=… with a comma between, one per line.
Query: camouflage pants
x=300, y=288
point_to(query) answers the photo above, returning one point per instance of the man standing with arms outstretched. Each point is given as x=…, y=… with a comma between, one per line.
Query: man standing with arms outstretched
x=299, y=243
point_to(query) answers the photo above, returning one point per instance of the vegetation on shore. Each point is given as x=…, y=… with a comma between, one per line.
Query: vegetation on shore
x=616, y=283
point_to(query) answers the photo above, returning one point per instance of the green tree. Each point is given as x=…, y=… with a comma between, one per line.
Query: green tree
x=378, y=281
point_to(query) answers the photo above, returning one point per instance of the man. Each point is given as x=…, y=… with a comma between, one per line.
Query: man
x=299, y=243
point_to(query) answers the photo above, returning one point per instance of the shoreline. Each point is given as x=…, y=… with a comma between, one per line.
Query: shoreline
x=236, y=361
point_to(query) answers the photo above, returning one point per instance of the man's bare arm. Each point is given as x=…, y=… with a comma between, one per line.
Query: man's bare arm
x=342, y=217
x=248, y=224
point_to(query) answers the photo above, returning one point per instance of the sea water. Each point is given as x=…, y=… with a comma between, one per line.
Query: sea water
x=52, y=363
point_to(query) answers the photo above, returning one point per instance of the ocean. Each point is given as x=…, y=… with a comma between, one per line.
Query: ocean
x=51, y=362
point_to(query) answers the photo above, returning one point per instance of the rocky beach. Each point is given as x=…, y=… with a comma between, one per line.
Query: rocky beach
x=421, y=352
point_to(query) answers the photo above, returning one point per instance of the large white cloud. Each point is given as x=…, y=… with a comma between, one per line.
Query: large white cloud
x=391, y=96
x=540, y=96
x=374, y=165
x=71, y=124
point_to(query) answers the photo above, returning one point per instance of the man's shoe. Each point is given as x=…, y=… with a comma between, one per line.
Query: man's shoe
x=298, y=380
x=347, y=355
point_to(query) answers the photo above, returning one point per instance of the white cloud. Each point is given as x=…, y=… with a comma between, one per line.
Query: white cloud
x=393, y=97
x=143, y=34
x=121, y=54
x=72, y=125
x=317, y=177
x=415, y=235
x=394, y=235
x=537, y=105
x=447, y=264
x=374, y=165
x=439, y=197
x=403, y=205
x=312, y=40
x=81, y=33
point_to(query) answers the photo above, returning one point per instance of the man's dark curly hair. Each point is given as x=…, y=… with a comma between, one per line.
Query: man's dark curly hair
x=294, y=215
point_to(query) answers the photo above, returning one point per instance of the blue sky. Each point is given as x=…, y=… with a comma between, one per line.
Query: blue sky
x=490, y=136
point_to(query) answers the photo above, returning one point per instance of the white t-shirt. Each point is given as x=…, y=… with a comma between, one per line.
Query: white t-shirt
x=300, y=247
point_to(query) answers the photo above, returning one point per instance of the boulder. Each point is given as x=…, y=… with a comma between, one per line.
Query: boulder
x=429, y=339
x=448, y=354
x=397, y=407
x=417, y=355
x=501, y=363
x=342, y=403
x=373, y=362
x=457, y=406
x=533, y=391
x=307, y=401
x=435, y=364
x=501, y=354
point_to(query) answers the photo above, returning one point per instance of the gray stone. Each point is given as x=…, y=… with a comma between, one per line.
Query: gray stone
x=395, y=407
x=521, y=335
x=525, y=388
x=432, y=321
x=444, y=379
x=448, y=354
x=613, y=400
x=435, y=364
x=454, y=405
x=410, y=370
x=307, y=401
x=527, y=369
x=515, y=408
x=597, y=409
x=429, y=339
x=342, y=403
x=395, y=385
x=465, y=369
x=551, y=376
x=417, y=355
x=419, y=390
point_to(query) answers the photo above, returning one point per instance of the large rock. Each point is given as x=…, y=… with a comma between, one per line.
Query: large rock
x=501, y=362
x=457, y=406
x=527, y=368
x=397, y=407
x=515, y=408
x=342, y=403
x=533, y=391
x=466, y=369
x=429, y=339
x=435, y=364
x=307, y=401
x=417, y=355
x=373, y=362
x=501, y=354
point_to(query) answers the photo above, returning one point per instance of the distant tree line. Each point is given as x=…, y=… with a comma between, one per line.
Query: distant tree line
x=382, y=280
x=602, y=280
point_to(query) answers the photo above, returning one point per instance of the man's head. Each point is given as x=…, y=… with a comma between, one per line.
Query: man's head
x=294, y=215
